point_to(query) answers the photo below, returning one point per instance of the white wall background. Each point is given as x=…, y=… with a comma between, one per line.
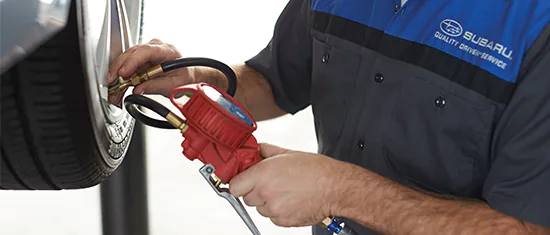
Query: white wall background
x=179, y=200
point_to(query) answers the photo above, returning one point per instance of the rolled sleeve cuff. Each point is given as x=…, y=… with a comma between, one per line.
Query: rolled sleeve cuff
x=280, y=95
x=534, y=211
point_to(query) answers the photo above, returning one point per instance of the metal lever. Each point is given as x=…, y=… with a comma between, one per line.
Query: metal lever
x=207, y=171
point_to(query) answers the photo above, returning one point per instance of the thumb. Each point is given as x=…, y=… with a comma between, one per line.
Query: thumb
x=269, y=150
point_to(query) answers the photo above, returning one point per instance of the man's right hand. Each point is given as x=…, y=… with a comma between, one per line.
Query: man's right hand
x=144, y=56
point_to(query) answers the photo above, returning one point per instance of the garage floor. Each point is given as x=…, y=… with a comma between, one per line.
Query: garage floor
x=230, y=31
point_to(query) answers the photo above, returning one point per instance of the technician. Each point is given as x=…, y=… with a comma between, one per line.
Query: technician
x=432, y=117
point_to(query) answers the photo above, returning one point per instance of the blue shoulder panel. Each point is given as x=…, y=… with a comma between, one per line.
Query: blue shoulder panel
x=372, y=13
x=492, y=34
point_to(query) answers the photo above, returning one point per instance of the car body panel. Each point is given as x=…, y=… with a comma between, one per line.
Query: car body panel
x=26, y=24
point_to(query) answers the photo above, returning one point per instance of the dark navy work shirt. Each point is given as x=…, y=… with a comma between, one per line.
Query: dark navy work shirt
x=447, y=96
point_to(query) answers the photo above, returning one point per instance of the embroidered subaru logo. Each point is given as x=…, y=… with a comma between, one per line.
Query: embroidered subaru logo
x=451, y=28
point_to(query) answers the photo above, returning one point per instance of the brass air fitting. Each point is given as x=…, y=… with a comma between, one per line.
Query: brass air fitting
x=135, y=79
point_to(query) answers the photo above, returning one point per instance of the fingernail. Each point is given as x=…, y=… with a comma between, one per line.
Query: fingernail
x=123, y=69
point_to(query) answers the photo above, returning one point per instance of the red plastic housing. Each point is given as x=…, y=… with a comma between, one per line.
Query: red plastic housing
x=215, y=136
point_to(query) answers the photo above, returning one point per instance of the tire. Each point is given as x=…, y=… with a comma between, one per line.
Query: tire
x=53, y=135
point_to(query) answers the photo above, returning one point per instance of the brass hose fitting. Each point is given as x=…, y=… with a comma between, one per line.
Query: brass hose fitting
x=134, y=80
x=177, y=122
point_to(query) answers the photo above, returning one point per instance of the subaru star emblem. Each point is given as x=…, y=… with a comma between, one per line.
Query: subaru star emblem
x=451, y=28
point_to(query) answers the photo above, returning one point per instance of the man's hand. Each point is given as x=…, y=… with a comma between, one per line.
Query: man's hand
x=291, y=188
x=141, y=57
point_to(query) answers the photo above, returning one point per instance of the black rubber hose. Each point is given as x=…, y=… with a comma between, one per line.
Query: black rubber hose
x=198, y=61
x=138, y=100
x=132, y=103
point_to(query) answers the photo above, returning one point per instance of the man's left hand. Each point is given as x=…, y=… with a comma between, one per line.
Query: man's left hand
x=291, y=188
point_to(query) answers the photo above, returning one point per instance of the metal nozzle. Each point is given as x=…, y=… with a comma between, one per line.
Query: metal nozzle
x=134, y=80
x=119, y=87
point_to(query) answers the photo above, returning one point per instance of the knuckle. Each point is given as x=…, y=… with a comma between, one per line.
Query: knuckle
x=153, y=87
x=145, y=47
x=274, y=208
x=173, y=82
x=178, y=81
x=170, y=48
x=132, y=49
x=265, y=193
x=147, y=88
x=119, y=60
x=155, y=40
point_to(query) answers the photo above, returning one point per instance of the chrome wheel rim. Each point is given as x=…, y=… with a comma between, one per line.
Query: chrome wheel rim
x=105, y=32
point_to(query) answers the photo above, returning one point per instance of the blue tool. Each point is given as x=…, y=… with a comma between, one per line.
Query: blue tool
x=334, y=225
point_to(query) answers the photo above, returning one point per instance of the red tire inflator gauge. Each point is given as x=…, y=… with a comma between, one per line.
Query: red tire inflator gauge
x=217, y=130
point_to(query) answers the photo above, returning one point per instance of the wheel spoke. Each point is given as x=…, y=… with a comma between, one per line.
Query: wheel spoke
x=117, y=35
x=126, y=33
x=118, y=43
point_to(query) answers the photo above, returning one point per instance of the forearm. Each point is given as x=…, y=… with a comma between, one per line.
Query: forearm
x=391, y=208
x=253, y=91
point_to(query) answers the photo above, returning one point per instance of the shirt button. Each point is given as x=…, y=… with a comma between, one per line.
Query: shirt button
x=396, y=9
x=440, y=102
x=360, y=144
x=325, y=58
x=378, y=78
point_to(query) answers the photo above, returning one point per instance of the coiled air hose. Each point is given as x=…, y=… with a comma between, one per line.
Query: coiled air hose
x=133, y=103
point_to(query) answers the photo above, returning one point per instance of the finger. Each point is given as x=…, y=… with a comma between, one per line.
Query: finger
x=253, y=199
x=281, y=222
x=121, y=59
x=116, y=99
x=269, y=150
x=244, y=183
x=264, y=211
x=148, y=53
x=118, y=62
x=144, y=67
x=162, y=86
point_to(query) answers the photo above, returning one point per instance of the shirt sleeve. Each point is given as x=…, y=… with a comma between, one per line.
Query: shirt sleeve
x=518, y=183
x=286, y=61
